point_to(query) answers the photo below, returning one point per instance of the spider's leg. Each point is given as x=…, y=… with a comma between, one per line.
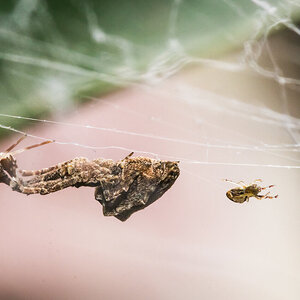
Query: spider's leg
x=50, y=176
x=8, y=162
x=271, y=197
x=268, y=197
x=259, y=197
x=47, y=187
x=38, y=145
x=54, y=172
x=130, y=154
x=236, y=183
x=267, y=187
x=37, y=172
x=30, y=147
x=257, y=180
x=61, y=176
x=15, y=144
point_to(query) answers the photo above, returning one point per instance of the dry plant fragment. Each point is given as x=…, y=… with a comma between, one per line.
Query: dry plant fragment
x=244, y=192
x=122, y=187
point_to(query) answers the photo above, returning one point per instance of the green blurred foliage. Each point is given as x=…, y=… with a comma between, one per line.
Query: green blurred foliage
x=54, y=53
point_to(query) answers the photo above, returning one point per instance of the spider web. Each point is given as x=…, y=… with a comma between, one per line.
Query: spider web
x=186, y=96
x=232, y=115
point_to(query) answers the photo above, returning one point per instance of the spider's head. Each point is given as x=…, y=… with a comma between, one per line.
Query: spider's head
x=253, y=189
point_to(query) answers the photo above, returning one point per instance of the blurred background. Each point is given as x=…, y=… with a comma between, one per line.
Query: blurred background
x=214, y=84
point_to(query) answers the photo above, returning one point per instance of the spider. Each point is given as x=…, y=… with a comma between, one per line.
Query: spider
x=244, y=192
x=122, y=187
x=8, y=163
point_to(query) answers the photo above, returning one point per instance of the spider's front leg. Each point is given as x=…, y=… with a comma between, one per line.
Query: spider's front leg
x=61, y=170
x=47, y=187
x=28, y=173
x=267, y=187
x=241, y=183
x=266, y=196
x=255, y=181
x=77, y=172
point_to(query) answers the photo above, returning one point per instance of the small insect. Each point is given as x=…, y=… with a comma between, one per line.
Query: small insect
x=244, y=192
x=8, y=163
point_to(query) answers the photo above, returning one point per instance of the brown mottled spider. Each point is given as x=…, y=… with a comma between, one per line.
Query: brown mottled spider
x=244, y=192
x=122, y=187
x=8, y=163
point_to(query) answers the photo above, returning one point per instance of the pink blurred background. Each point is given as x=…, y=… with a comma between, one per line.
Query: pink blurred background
x=193, y=243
